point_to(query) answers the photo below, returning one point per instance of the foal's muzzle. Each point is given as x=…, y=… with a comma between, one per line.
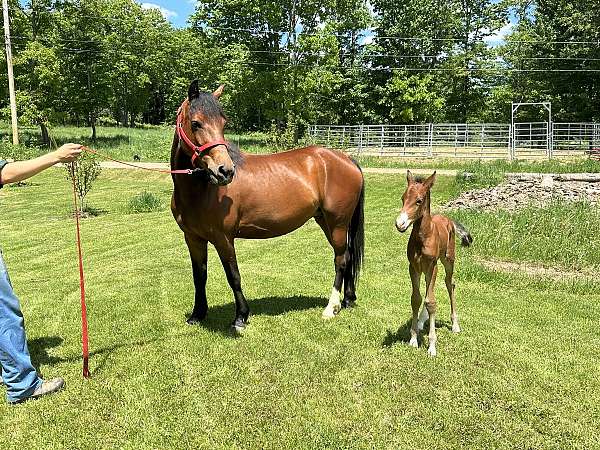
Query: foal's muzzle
x=402, y=222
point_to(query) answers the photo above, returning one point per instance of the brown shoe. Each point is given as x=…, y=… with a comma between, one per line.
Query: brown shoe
x=47, y=387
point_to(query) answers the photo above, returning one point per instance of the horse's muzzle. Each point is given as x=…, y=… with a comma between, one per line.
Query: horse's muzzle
x=222, y=176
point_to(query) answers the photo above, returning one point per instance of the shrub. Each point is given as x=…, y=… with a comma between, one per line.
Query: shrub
x=85, y=170
x=144, y=202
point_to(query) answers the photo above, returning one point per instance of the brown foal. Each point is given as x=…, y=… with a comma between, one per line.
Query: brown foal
x=432, y=238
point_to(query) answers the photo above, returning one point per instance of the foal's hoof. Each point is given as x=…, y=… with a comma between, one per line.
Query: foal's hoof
x=455, y=328
x=413, y=342
x=432, y=352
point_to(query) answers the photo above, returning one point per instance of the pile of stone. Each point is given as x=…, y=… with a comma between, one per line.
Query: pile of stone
x=527, y=189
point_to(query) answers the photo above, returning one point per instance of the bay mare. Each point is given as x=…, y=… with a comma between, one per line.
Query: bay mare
x=431, y=239
x=237, y=195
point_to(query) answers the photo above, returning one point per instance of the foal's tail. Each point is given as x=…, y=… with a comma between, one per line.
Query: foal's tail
x=356, y=235
x=465, y=236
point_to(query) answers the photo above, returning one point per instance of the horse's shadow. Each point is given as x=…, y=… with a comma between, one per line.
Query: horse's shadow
x=220, y=317
x=403, y=333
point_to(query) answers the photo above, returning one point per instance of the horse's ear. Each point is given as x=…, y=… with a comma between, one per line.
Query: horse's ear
x=409, y=177
x=219, y=91
x=193, y=91
x=430, y=181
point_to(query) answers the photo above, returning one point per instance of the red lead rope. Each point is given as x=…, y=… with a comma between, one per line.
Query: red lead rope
x=84, y=323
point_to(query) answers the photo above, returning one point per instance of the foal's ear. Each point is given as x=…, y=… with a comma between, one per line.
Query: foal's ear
x=193, y=91
x=430, y=181
x=409, y=177
x=219, y=91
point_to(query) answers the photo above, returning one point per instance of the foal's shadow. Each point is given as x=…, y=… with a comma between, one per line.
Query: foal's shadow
x=403, y=333
x=220, y=317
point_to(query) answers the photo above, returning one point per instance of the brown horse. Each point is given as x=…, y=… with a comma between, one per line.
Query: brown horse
x=236, y=195
x=432, y=238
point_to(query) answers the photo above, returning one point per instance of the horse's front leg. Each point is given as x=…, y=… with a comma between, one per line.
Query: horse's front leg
x=226, y=251
x=199, y=256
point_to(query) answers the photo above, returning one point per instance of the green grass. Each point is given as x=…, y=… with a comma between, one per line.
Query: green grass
x=150, y=143
x=522, y=374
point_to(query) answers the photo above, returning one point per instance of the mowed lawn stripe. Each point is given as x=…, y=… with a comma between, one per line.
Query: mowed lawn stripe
x=521, y=374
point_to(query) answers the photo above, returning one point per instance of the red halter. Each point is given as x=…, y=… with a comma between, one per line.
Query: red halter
x=197, y=151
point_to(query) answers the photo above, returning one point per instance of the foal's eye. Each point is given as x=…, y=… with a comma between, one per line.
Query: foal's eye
x=419, y=201
x=196, y=125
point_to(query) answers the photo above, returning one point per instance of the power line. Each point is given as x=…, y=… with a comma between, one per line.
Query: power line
x=360, y=35
x=442, y=56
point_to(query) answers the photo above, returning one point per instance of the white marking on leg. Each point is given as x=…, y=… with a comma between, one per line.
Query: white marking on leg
x=432, y=336
x=455, y=326
x=413, y=341
x=432, y=351
x=334, y=306
x=422, y=318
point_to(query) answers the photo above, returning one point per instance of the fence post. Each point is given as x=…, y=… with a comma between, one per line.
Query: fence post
x=404, y=146
x=430, y=141
x=551, y=140
x=455, y=139
x=510, y=143
x=360, y=138
x=481, y=139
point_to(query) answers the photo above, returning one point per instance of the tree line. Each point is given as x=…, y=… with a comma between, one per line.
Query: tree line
x=289, y=63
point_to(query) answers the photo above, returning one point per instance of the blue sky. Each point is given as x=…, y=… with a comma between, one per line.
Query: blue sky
x=176, y=11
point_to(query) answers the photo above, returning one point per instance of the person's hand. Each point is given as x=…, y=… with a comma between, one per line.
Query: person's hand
x=68, y=152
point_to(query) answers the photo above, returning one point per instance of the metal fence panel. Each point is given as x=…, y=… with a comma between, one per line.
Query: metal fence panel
x=463, y=140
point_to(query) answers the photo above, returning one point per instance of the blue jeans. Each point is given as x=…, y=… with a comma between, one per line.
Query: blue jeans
x=18, y=373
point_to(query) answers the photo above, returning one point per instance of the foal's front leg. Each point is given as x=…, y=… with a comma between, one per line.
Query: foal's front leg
x=415, y=302
x=226, y=251
x=431, y=306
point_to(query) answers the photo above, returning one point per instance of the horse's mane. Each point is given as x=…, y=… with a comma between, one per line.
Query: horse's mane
x=211, y=108
x=235, y=154
x=209, y=105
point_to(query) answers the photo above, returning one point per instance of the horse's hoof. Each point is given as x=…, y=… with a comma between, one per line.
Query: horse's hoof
x=348, y=303
x=194, y=320
x=432, y=352
x=331, y=312
x=238, y=327
x=413, y=342
x=455, y=328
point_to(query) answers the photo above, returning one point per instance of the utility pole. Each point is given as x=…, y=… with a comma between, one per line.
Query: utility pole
x=11, y=80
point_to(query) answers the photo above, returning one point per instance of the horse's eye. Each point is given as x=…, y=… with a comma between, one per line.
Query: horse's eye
x=196, y=125
x=419, y=201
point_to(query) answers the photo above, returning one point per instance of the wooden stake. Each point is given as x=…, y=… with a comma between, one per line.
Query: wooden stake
x=11, y=80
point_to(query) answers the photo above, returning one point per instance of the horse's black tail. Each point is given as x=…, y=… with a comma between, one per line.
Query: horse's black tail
x=356, y=236
x=465, y=236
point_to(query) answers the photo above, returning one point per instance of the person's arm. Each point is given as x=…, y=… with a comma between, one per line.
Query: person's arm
x=22, y=170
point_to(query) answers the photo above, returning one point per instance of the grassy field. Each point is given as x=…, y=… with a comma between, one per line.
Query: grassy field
x=151, y=143
x=522, y=374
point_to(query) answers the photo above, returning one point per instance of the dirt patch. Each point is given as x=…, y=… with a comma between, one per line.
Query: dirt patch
x=537, y=270
x=522, y=190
